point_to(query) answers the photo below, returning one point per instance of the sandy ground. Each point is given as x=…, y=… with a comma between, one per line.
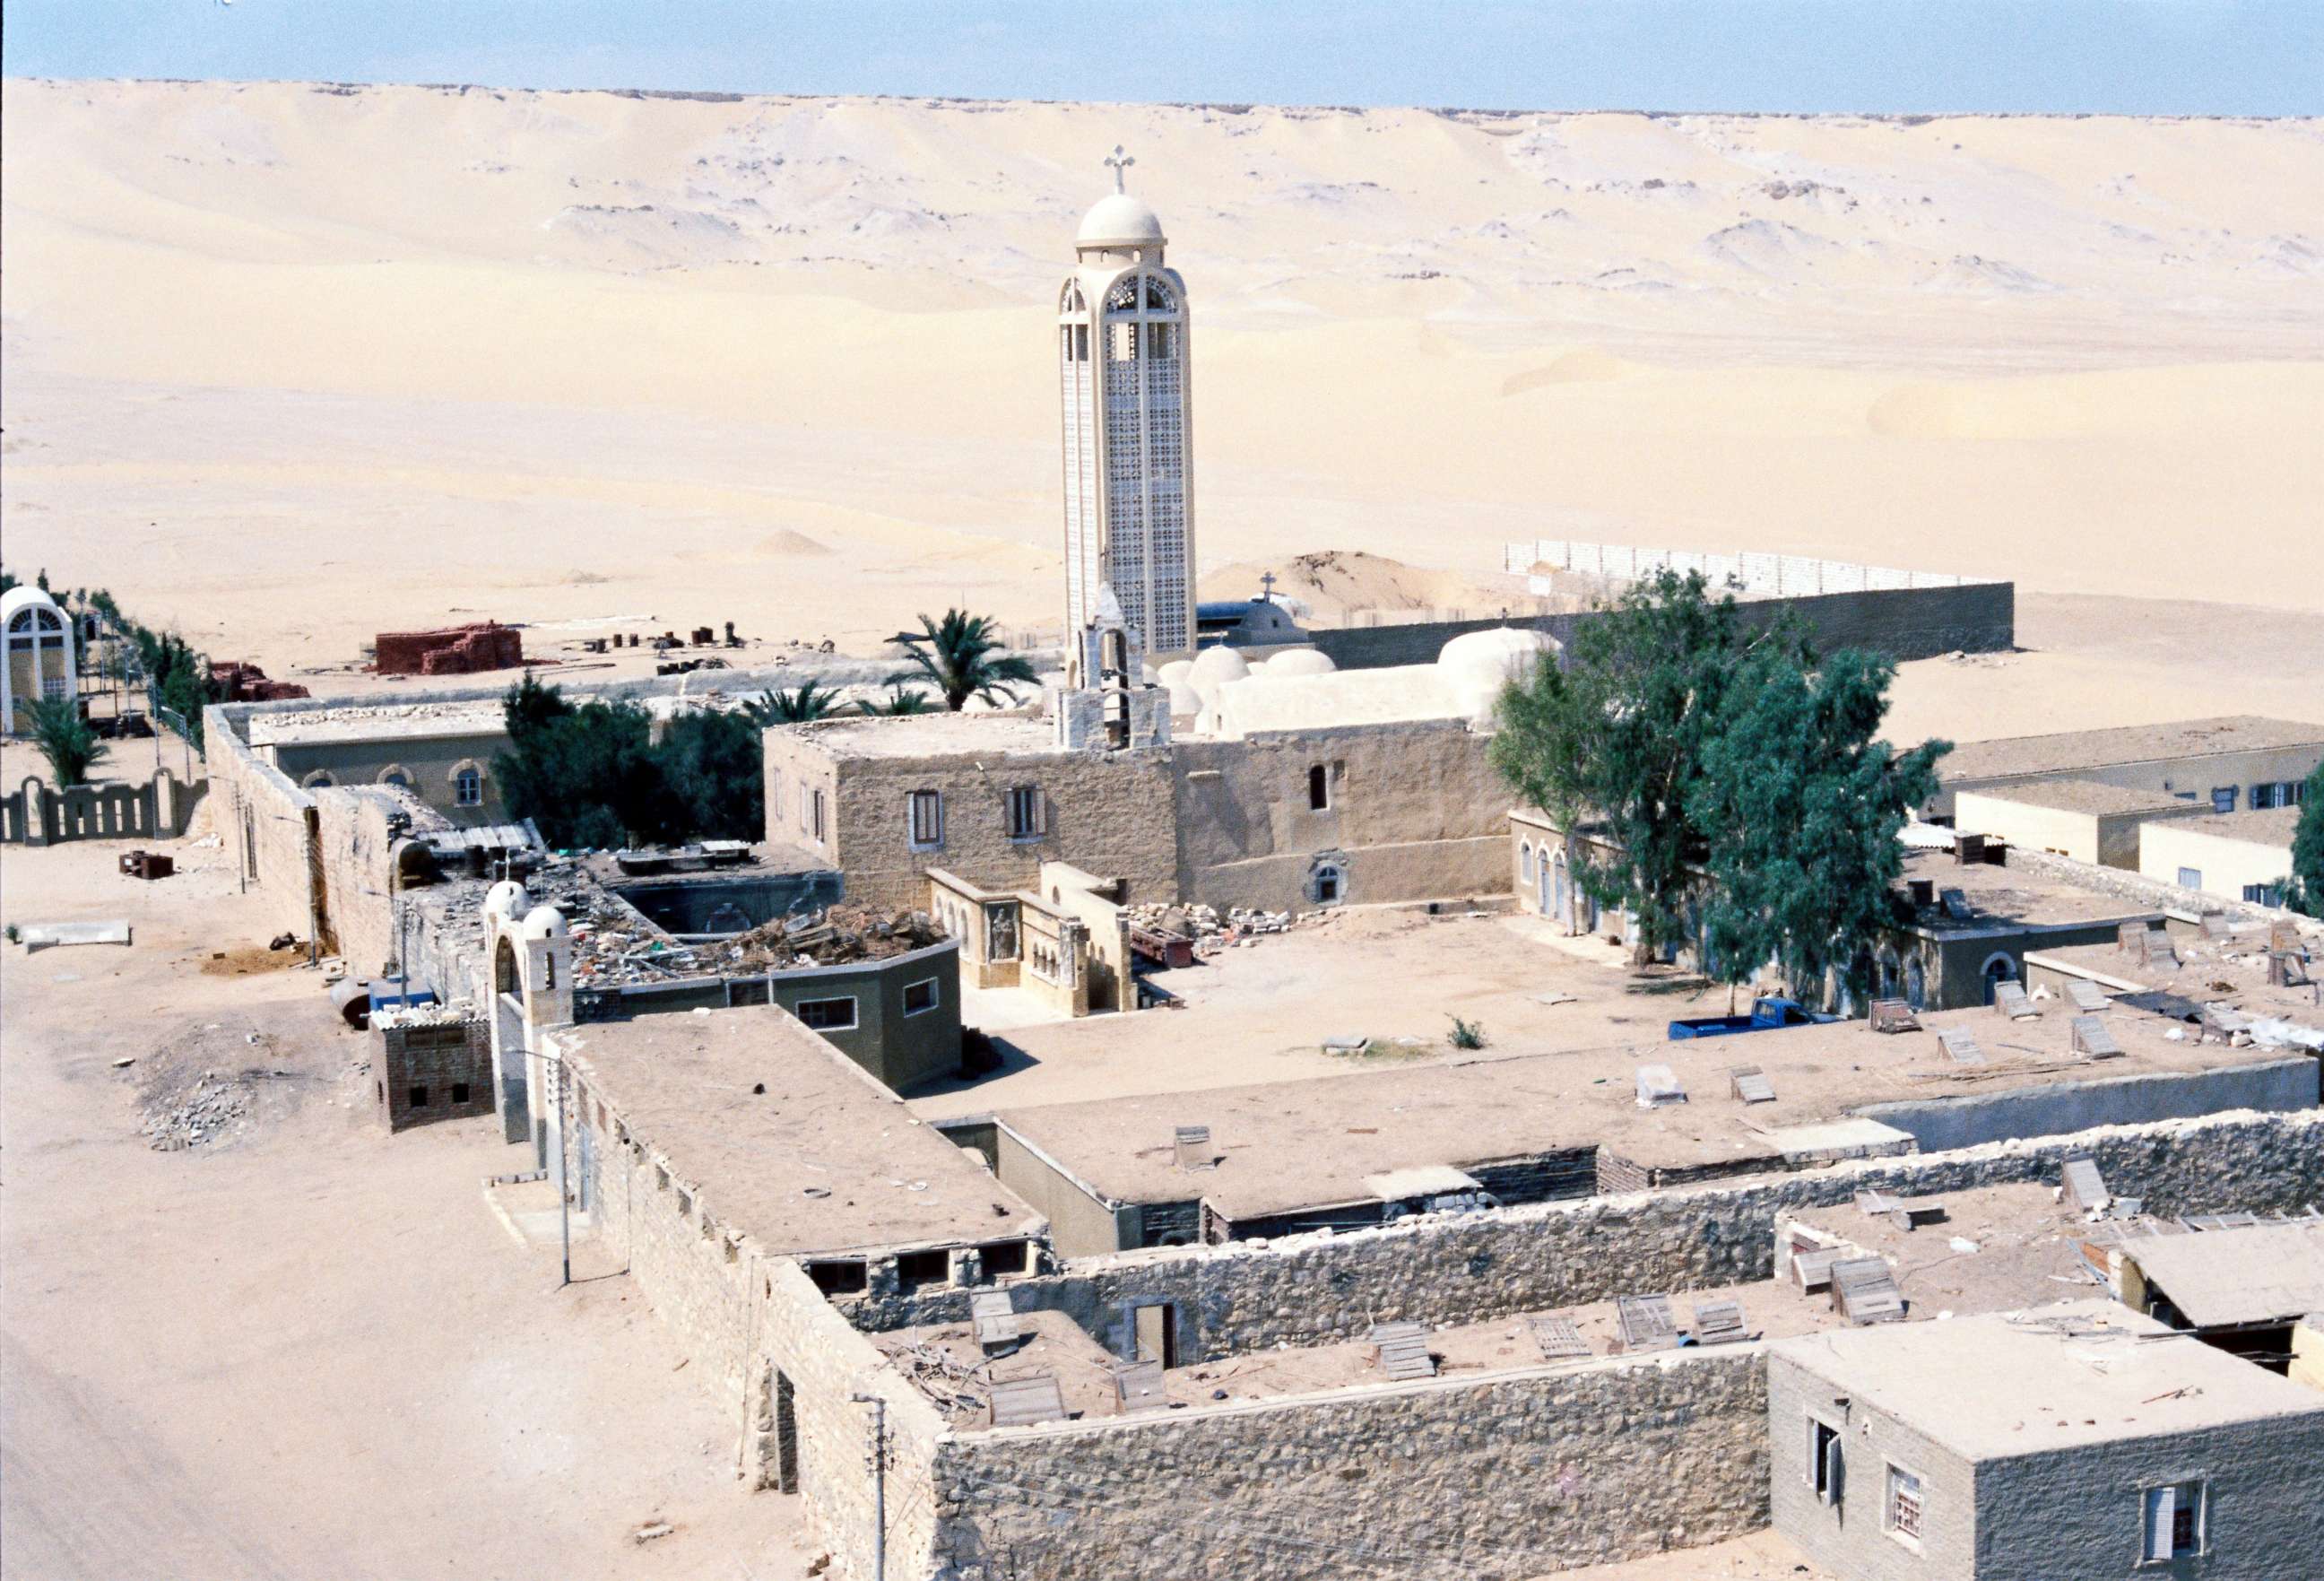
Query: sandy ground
x=310, y=1349
x=1760, y=1556
x=289, y=364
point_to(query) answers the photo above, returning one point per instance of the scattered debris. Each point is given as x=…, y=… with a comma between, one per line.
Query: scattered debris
x=649, y=1532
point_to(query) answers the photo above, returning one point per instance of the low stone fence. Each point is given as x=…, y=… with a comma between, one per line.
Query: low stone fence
x=1515, y=1473
x=160, y=810
x=1321, y=1289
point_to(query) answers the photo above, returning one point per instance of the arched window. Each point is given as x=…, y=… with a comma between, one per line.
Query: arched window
x=1524, y=862
x=396, y=774
x=320, y=780
x=467, y=785
x=1888, y=980
x=1123, y=298
x=504, y=973
x=1916, y=986
x=1319, y=788
x=1998, y=969
x=1159, y=297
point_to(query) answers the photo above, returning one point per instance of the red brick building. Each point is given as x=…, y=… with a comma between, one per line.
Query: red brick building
x=454, y=651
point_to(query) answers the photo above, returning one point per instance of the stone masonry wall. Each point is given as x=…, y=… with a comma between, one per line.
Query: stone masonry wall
x=269, y=824
x=1516, y=1475
x=1245, y=1296
x=1902, y=622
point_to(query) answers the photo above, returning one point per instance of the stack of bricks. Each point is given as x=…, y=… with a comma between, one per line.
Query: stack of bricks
x=453, y=650
x=240, y=682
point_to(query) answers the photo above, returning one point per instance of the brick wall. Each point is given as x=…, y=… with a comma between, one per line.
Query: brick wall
x=462, y=650
x=1233, y=1299
x=1517, y=1474
x=430, y=1070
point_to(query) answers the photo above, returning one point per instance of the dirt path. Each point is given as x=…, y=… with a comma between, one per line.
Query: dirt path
x=310, y=1349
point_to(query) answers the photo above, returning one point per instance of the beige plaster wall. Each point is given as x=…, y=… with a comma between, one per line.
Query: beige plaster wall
x=2225, y=863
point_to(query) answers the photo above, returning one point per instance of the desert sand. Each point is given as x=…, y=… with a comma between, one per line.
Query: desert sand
x=290, y=364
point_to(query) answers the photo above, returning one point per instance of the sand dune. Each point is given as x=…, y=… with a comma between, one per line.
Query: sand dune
x=291, y=363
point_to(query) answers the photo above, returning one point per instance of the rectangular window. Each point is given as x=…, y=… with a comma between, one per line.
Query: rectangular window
x=1122, y=344
x=828, y=1015
x=2223, y=798
x=1823, y=1461
x=804, y=822
x=459, y=1092
x=418, y=1096
x=916, y=1271
x=1158, y=340
x=2190, y=878
x=2174, y=1523
x=1025, y=813
x=1000, y=1257
x=1081, y=343
x=839, y=1279
x=1319, y=788
x=1902, y=1516
x=925, y=817
x=2264, y=894
x=921, y=997
x=815, y=825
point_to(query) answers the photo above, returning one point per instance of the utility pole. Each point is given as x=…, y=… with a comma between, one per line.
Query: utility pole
x=878, y=1464
x=556, y=1067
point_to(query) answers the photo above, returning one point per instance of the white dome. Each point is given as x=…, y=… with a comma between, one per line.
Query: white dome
x=1175, y=673
x=1213, y=667
x=23, y=595
x=1119, y=220
x=1299, y=662
x=544, y=922
x=1477, y=666
x=1185, y=700
x=507, y=898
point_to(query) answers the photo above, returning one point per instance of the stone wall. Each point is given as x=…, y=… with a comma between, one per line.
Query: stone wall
x=1416, y=813
x=1901, y=623
x=1312, y=1289
x=269, y=824
x=433, y=1068
x=1515, y=1475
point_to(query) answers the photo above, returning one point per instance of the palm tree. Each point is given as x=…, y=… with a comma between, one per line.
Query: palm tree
x=808, y=702
x=959, y=652
x=65, y=738
x=901, y=699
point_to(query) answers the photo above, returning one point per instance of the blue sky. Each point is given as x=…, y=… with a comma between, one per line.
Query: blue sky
x=2150, y=56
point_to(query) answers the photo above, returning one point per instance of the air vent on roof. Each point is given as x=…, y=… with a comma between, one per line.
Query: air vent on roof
x=1751, y=1085
x=1194, y=1146
x=1962, y=1046
x=2011, y=1000
x=2086, y=994
x=1894, y=1015
x=1956, y=902
x=1924, y=890
x=1969, y=849
x=1137, y=1385
x=1865, y=1289
x=1718, y=1323
x=1658, y=1085
x=1557, y=1337
x=1646, y=1322
x=999, y=1329
x=2084, y=1188
x=1022, y=1401
x=2094, y=1040
x=1404, y=1350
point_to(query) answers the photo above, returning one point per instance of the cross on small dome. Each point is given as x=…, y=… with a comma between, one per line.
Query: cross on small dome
x=1120, y=162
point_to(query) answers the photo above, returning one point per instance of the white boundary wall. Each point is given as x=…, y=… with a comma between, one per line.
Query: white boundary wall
x=1749, y=571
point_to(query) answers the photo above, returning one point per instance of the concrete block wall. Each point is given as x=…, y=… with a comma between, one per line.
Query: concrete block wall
x=450, y=1061
x=1846, y=1534
x=1245, y=1296
x=1516, y=1475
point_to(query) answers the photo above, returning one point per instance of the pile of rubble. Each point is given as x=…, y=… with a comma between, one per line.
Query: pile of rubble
x=833, y=936
x=214, y=1083
x=1236, y=925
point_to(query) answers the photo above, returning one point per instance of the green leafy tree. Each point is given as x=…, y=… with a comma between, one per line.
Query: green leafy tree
x=1611, y=744
x=65, y=738
x=961, y=653
x=1799, y=805
x=713, y=772
x=594, y=773
x=2305, y=891
x=802, y=705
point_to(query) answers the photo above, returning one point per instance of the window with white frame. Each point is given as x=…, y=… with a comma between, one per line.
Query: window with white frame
x=1025, y=813
x=2190, y=878
x=2175, y=1521
x=921, y=997
x=1902, y=1512
x=467, y=786
x=2223, y=798
x=1823, y=1461
x=827, y=1015
x=924, y=816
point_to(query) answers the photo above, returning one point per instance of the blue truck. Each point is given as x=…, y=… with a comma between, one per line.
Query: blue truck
x=1769, y=1013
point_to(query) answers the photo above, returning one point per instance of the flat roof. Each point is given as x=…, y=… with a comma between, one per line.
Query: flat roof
x=2090, y=796
x=824, y=1159
x=2231, y=972
x=2068, y=750
x=2265, y=826
x=2013, y=897
x=400, y=722
x=2047, y=1378
x=934, y=734
x=2263, y=1274
x=1283, y=1146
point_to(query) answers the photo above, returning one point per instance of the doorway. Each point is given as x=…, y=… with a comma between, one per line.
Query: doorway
x=1155, y=1328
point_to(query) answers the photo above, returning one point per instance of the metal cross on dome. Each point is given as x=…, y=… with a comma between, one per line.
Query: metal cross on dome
x=1120, y=162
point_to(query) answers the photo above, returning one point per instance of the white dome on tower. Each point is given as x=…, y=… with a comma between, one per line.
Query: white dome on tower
x=1119, y=220
x=507, y=898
